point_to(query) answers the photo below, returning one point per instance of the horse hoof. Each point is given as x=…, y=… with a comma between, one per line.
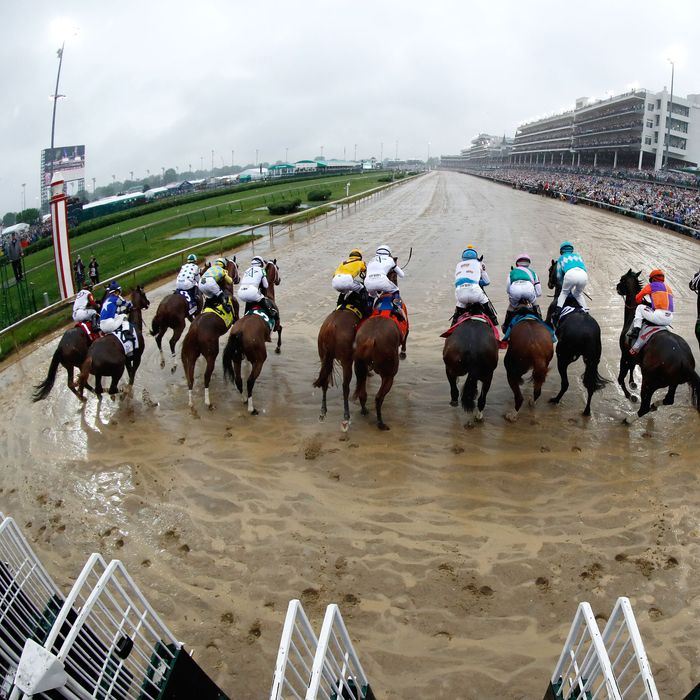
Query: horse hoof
x=470, y=424
x=633, y=385
x=402, y=355
x=278, y=351
x=254, y=412
x=383, y=426
x=322, y=418
x=630, y=419
x=210, y=406
x=531, y=402
x=554, y=400
x=454, y=403
x=364, y=411
x=478, y=416
x=345, y=425
x=634, y=398
x=173, y=369
x=587, y=413
x=162, y=364
x=511, y=416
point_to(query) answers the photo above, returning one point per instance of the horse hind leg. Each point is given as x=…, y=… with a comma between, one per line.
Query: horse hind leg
x=670, y=395
x=562, y=367
x=645, y=406
x=469, y=394
x=454, y=389
x=386, y=385
x=402, y=354
x=211, y=361
x=485, y=386
x=177, y=333
x=539, y=374
x=361, y=385
x=278, y=349
x=347, y=378
x=254, y=374
x=514, y=381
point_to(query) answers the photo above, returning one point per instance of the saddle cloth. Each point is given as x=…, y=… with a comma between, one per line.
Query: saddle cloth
x=646, y=334
x=87, y=329
x=191, y=299
x=220, y=311
x=257, y=311
x=388, y=312
x=129, y=342
x=476, y=317
x=527, y=317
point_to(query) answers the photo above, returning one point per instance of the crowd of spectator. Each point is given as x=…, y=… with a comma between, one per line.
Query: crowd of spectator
x=659, y=203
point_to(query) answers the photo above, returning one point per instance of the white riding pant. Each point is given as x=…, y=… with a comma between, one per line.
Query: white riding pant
x=657, y=317
x=379, y=284
x=574, y=282
x=467, y=294
x=84, y=315
x=209, y=287
x=249, y=294
x=346, y=283
x=109, y=325
x=521, y=289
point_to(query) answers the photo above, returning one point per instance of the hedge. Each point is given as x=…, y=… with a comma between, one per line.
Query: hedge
x=319, y=195
x=284, y=207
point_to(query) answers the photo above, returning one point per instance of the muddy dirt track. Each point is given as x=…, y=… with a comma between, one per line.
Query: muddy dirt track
x=457, y=557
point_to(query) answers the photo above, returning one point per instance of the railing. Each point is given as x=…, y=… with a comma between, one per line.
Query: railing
x=340, y=206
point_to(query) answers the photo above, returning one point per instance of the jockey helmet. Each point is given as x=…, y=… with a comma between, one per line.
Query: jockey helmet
x=469, y=253
x=191, y=258
x=355, y=253
x=566, y=247
x=523, y=258
x=221, y=262
x=257, y=260
x=384, y=250
x=114, y=286
x=657, y=275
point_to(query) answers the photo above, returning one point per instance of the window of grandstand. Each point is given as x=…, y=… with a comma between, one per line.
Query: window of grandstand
x=651, y=106
x=650, y=123
x=647, y=140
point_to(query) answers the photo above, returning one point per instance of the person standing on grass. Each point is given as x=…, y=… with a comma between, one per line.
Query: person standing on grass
x=93, y=271
x=15, y=255
x=79, y=269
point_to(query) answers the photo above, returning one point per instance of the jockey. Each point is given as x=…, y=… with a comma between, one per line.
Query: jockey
x=212, y=284
x=572, y=275
x=114, y=310
x=655, y=306
x=254, y=280
x=349, y=279
x=470, y=279
x=188, y=278
x=377, y=281
x=85, y=308
x=523, y=285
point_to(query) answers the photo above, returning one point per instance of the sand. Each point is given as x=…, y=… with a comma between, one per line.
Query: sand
x=457, y=556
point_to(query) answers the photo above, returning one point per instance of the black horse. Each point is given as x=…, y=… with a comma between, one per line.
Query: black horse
x=666, y=360
x=695, y=287
x=471, y=349
x=578, y=335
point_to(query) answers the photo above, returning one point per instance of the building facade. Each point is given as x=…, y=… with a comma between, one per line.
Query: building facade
x=485, y=150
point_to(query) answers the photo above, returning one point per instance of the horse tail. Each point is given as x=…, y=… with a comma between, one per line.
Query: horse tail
x=41, y=391
x=325, y=375
x=694, y=380
x=469, y=392
x=591, y=379
x=155, y=325
x=233, y=352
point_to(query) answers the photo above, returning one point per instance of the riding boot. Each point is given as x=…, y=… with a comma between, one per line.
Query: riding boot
x=491, y=313
x=555, y=316
x=341, y=300
x=506, y=322
x=269, y=306
x=632, y=335
x=365, y=302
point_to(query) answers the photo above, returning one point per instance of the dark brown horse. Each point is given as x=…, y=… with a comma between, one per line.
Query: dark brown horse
x=335, y=341
x=71, y=353
x=172, y=314
x=578, y=335
x=246, y=341
x=273, y=279
x=377, y=343
x=666, y=360
x=471, y=349
x=530, y=347
x=107, y=358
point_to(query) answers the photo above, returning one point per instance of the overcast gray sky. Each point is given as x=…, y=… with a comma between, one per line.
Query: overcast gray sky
x=162, y=84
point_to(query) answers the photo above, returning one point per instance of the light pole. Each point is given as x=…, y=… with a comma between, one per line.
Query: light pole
x=212, y=162
x=55, y=96
x=355, y=158
x=321, y=152
x=286, y=154
x=670, y=113
x=93, y=185
x=162, y=170
x=24, y=196
x=131, y=173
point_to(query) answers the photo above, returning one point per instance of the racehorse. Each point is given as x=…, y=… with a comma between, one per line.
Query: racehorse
x=695, y=287
x=578, y=335
x=471, y=349
x=666, y=360
x=172, y=314
x=71, y=353
x=377, y=343
x=273, y=279
x=530, y=347
x=335, y=341
x=107, y=357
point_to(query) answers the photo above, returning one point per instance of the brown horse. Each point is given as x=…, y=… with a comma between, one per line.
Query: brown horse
x=666, y=360
x=273, y=279
x=71, y=353
x=107, y=358
x=246, y=341
x=335, y=341
x=377, y=343
x=530, y=347
x=471, y=349
x=172, y=314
